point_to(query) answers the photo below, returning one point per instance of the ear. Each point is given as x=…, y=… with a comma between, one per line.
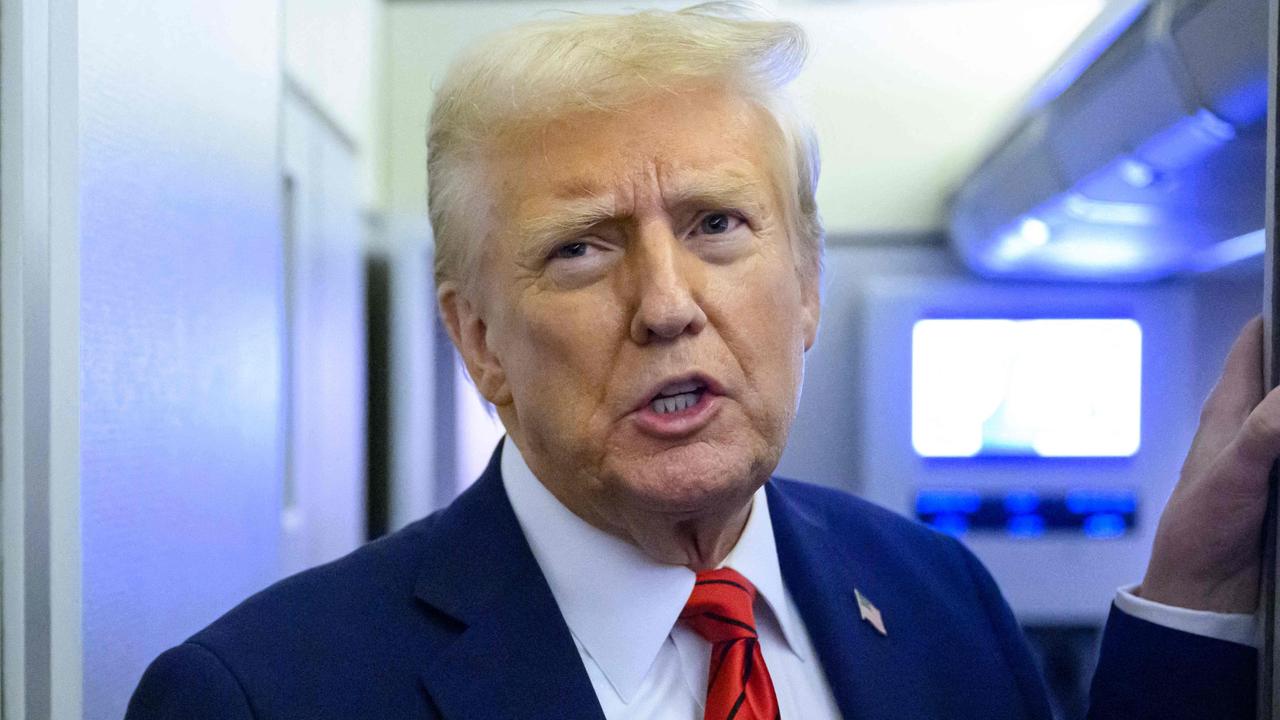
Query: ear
x=470, y=334
x=810, y=307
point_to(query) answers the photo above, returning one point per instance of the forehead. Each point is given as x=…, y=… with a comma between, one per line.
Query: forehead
x=681, y=145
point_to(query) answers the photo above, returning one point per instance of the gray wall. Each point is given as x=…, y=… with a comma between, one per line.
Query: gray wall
x=824, y=446
x=181, y=324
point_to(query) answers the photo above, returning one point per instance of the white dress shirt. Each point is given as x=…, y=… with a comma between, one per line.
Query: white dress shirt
x=622, y=610
x=1234, y=627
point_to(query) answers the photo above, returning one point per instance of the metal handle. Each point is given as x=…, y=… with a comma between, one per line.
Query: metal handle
x=1268, y=701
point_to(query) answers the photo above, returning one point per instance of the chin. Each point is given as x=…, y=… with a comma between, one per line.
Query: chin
x=694, y=479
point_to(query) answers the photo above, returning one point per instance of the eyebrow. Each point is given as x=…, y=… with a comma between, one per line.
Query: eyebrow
x=568, y=219
x=574, y=215
x=719, y=191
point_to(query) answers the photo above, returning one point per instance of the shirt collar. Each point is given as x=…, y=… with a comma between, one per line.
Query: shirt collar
x=619, y=604
x=756, y=558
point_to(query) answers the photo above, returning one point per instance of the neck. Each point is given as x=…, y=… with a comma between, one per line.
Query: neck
x=700, y=543
x=699, y=540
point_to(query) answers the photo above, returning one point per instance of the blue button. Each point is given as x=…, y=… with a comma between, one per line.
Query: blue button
x=1026, y=526
x=1104, y=525
x=951, y=524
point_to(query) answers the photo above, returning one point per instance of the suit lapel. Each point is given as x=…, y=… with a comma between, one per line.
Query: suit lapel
x=514, y=655
x=870, y=674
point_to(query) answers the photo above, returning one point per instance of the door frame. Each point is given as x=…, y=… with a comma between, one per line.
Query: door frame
x=40, y=614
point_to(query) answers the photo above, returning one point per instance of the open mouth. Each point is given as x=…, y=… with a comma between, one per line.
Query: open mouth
x=678, y=397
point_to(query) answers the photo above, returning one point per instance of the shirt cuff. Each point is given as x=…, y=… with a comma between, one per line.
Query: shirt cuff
x=1242, y=628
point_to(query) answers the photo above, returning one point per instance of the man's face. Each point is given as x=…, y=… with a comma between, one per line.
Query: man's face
x=642, y=320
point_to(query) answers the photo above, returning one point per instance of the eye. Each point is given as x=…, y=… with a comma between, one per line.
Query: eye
x=580, y=262
x=571, y=250
x=718, y=223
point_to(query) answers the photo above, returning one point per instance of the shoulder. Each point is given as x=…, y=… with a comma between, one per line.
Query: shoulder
x=191, y=682
x=839, y=505
x=372, y=580
x=345, y=629
x=907, y=557
x=853, y=522
x=913, y=571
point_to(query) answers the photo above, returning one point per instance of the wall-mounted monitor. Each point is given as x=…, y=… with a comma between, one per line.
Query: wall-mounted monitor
x=1043, y=387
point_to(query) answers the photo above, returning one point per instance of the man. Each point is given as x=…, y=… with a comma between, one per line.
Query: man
x=628, y=253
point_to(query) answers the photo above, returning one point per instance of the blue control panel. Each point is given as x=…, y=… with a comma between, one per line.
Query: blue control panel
x=1029, y=514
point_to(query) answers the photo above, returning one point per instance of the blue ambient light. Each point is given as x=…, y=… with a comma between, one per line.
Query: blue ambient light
x=1023, y=514
x=948, y=502
x=951, y=524
x=1088, y=502
x=1021, y=502
x=1029, y=235
x=1026, y=526
x=1104, y=525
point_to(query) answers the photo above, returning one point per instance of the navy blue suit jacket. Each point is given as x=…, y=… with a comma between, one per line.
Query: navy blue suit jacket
x=452, y=618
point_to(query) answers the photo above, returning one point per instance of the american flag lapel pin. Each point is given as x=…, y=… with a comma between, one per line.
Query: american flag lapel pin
x=870, y=612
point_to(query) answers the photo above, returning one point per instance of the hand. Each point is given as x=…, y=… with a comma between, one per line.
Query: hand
x=1208, y=547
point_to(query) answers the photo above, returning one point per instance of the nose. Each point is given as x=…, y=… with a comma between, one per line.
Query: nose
x=666, y=279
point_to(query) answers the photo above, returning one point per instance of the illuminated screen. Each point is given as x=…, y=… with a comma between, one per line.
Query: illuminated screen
x=1038, y=388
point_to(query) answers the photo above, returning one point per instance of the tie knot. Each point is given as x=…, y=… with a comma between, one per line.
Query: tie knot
x=719, y=608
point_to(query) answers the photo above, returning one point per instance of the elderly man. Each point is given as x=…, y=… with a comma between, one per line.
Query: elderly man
x=628, y=254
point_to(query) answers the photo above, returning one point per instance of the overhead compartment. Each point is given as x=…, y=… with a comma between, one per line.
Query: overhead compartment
x=1149, y=161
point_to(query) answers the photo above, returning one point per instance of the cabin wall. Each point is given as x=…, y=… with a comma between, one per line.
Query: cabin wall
x=181, y=325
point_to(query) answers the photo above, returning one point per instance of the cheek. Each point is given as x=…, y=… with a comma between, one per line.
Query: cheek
x=558, y=359
x=763, y=322
x=772, y=314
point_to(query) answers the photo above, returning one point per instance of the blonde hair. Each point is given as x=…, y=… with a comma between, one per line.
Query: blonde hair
x=535, y=73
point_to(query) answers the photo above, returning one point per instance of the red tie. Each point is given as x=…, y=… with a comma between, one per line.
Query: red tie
x=738, y=684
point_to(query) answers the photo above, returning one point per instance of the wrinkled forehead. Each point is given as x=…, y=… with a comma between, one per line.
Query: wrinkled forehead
x=705, y=145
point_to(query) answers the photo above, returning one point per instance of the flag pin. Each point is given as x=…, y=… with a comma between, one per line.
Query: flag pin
x=870, y=612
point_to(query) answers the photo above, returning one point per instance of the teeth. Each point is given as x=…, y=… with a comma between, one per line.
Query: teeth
x=674, y=403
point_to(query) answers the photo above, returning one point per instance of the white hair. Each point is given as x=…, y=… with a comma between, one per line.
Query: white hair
x=524, y=78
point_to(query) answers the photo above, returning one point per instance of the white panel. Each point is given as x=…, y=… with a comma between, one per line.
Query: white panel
x=324, y=514
x=181, y=332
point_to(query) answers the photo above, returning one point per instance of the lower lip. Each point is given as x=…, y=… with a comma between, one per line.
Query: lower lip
x=680, y=423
